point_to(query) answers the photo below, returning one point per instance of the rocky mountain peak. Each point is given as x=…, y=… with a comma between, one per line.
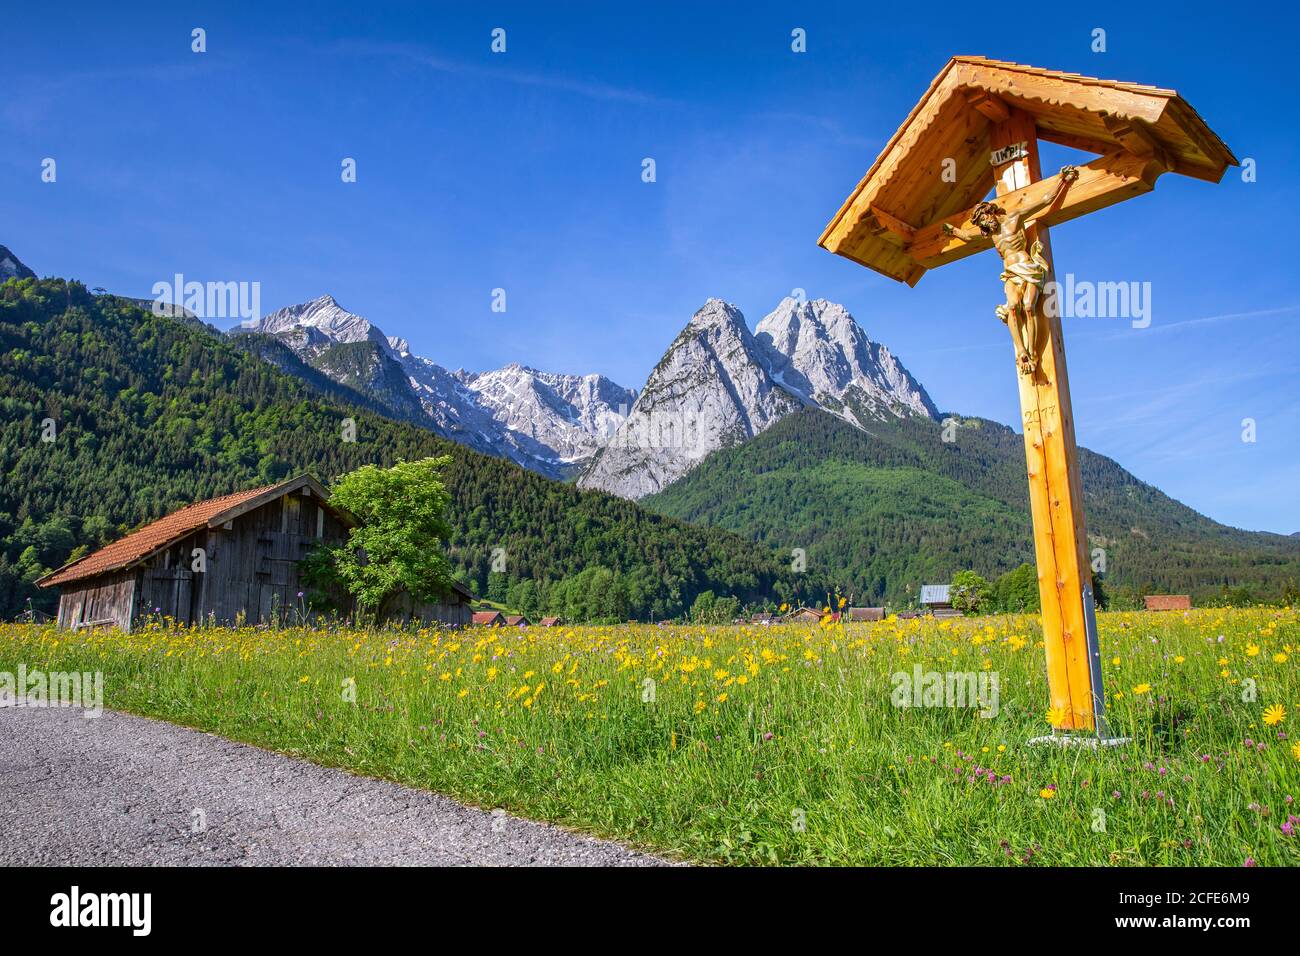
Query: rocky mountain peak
x=818, y=349
x=719, y=385
x=712, y=389
x=715, y=313
x=11, y=267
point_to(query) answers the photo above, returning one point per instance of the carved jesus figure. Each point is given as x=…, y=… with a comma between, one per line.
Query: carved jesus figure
x=1024, y=270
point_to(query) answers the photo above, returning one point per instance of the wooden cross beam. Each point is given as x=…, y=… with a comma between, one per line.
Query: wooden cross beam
x=1103, y=182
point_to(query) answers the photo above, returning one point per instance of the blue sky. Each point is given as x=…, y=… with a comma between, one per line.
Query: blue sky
x=522, y=171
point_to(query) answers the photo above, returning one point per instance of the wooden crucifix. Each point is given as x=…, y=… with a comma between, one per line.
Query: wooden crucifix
x=921, y=205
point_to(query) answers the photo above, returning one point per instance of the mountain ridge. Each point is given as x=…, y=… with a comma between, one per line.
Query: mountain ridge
x=719, y=384
x=549, y=422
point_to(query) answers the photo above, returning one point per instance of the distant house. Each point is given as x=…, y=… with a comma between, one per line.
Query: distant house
x=230, y=559
x=803, y=614
x=488, y=619
x=1168, y=602
x=552, y=621
x=937, y=599
x=764, y=618
x=866, y=614
x=516, y=620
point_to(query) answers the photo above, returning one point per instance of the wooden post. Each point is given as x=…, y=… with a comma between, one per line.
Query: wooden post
x=1055, y=486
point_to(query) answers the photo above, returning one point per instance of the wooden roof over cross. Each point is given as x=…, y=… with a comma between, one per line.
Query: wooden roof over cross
x=892, y=222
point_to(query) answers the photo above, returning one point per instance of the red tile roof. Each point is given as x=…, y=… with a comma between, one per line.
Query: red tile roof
x=488, y=617
x=157, y=535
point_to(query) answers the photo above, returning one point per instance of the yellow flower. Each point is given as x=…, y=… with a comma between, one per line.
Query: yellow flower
x=1002, y=748
x=1141, y=688
x=722, y=698
x=1252, y=650
x=1179, y=659
x=1056, y=716
x=1047, y=793
x=1279, y=658
x=303, y=679
x=1274, y=715
x=1295, y=751
x=1115, y=660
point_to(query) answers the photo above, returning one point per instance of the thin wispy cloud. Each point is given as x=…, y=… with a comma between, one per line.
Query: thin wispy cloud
x=1209, y=320
x=591, y=89
x=32, y=98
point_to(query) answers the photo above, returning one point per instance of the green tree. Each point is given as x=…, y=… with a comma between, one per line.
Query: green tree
x=709, y=608
x=398, y=544
x=1100, y=596
x=969, y=592
x=1016, y=592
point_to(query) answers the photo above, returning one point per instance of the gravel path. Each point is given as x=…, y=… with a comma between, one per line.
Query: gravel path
x=128, y=790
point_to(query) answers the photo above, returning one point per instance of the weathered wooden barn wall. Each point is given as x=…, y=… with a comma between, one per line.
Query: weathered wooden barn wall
x=249, y=572
x=252, y=572
x=454, y=610
x=107, y=600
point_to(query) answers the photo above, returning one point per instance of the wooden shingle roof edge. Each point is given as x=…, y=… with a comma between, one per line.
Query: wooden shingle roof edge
x=143, y=543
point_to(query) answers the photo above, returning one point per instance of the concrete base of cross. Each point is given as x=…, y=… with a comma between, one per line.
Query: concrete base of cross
x=1068, y=740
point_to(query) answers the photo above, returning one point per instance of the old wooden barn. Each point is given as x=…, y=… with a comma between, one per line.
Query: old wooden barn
x=231, y=559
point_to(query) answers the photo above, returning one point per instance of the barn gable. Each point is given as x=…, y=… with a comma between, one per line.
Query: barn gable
x=229, y=559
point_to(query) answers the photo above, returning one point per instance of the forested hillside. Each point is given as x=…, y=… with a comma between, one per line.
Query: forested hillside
x=889, y=510
x=148, y=413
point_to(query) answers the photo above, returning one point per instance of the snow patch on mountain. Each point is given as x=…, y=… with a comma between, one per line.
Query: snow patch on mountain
x=542, y=420
x=719, y=385
x=818, y=350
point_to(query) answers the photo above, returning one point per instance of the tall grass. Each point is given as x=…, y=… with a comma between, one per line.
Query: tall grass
x=764, y=744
